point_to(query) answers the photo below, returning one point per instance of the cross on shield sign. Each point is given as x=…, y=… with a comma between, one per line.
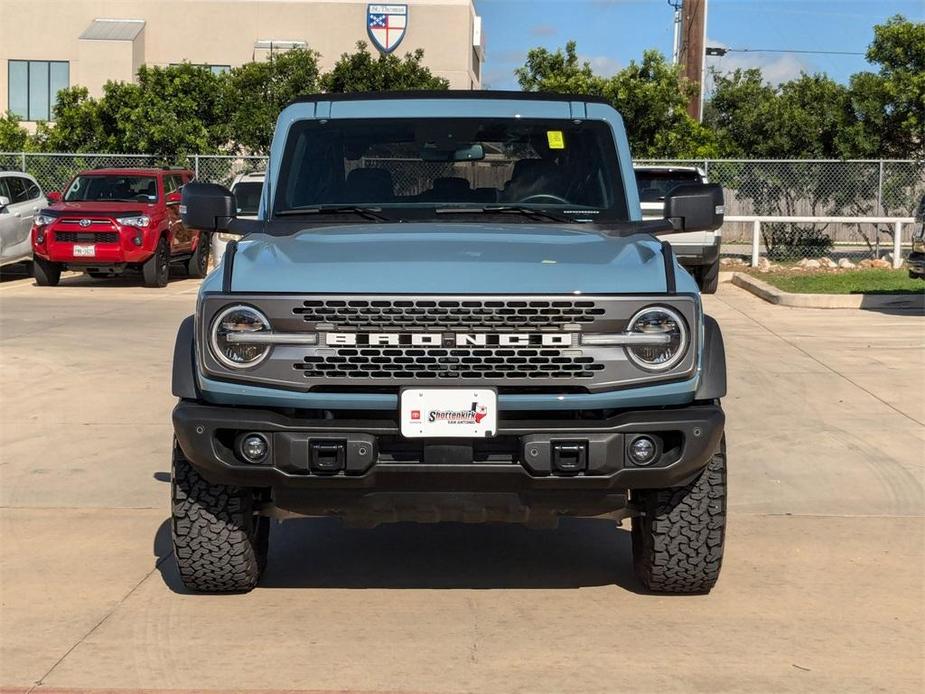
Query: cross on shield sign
x=386, y=25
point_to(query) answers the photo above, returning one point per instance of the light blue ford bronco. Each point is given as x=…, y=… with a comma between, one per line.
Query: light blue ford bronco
x=449, y=309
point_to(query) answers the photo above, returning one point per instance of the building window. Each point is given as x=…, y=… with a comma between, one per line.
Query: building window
x=34, y=87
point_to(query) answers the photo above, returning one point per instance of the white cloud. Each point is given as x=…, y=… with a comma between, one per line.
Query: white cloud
x=775, y=67
x=603, y=65
x=543, y=30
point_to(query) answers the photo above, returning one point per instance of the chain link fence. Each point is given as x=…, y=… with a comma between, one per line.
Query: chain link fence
x=814, y=188
x=818, y=188
x=53, y=171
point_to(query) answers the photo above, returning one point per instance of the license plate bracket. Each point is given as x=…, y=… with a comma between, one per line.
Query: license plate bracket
x=448, y=412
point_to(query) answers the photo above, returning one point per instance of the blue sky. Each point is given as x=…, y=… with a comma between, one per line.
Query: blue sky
x=610, y=33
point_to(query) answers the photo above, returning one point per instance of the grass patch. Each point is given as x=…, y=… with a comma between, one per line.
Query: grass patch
x=873, y=281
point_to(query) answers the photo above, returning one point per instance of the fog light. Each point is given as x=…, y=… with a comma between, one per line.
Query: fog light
x=254, y=448
x=137, y=240
x=40, y=237
x=642, y=450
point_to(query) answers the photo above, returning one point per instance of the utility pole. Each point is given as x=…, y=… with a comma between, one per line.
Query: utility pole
x=693, y=38
x=676, y=39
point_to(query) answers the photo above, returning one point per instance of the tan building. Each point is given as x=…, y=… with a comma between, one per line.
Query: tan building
x=46, y=45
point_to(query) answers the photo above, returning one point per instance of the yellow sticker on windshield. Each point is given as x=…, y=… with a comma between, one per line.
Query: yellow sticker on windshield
x=556, y=139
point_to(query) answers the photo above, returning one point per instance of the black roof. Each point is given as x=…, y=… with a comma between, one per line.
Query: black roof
x=452, y=94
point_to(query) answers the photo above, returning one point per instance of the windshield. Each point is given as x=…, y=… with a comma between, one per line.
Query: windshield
x=655, y=185
x=414, y=168
x=247, y=196
x=112, y=189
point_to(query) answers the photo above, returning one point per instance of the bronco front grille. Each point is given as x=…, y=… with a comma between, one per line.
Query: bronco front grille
x=87, y=237
x=521, y=343
x=421, y=315
x=435, y=363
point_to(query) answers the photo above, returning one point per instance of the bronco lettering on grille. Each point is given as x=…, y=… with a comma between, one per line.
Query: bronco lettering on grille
x=448, y=339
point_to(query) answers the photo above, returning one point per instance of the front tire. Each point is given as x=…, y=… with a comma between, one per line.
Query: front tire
x=708, y=277
x=46, y=273
x=156, y=269
x=220, y=544
x=198, y=265
x=678, y=540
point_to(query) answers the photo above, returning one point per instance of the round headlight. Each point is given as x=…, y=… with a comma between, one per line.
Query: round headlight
x=660, y=321
x=229, y=333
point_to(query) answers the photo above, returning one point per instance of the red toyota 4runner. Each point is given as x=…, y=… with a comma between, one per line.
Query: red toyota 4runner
x=112, y=220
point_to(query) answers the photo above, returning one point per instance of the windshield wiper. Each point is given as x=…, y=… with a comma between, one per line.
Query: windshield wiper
x=508, y=209
x=370, y=213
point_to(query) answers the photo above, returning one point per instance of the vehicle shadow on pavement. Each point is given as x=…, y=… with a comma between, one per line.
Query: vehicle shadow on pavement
x=129, y=280
x=320, y=553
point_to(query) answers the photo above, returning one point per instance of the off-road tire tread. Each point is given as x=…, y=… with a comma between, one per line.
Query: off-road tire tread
x=708, y=278
x=678, y=542
x=46, y=274
x=219, y=544
x=150, y=269
x=195, y=268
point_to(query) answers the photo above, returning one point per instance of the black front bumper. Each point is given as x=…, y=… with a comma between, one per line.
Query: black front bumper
x=365, y=467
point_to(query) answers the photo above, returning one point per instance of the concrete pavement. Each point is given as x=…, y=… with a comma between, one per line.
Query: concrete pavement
x=822, y=588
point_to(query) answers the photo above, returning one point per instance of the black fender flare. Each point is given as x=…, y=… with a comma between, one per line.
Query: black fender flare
x=713, y=369
x=183, y=382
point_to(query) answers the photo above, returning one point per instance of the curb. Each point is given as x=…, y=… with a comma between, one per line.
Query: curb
x=773, y=295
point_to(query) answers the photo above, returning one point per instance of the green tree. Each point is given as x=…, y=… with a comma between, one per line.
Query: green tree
x=889, y=105
x=804, y=118
x=362, y=72
x=77, y=126
x=559, y=72
x=13, y=136
x=256, y=92
x=651, y=95
x=168, y=112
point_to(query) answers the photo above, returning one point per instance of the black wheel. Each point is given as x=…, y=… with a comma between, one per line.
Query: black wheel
x=219, y=542
x=708, y=277
x=47, y=274
x=198, y=264
x=678, y=539
x=156, y=269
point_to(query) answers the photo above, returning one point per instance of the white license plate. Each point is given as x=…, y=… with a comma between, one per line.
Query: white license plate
x=84, y=251
x=449, y=412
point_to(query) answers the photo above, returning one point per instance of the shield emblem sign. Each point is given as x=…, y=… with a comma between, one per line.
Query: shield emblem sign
x=387, y=25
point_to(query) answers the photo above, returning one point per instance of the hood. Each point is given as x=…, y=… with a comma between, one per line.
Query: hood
x=86, y=207
x=448, y=259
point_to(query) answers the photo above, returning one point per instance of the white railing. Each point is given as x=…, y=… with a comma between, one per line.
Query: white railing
x=757, y=220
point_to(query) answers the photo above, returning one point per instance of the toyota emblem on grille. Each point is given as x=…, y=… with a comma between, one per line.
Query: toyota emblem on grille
x=84, y=222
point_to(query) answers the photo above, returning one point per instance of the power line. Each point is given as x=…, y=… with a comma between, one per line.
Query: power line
x=717, y=51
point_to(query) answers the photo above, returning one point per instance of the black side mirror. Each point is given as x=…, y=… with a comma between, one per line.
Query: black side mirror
x=695, y=207
x=207, y=206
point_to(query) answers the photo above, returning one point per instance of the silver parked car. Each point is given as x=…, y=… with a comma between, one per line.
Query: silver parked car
x=20, y=198
x=247, y=189
x=697, y=251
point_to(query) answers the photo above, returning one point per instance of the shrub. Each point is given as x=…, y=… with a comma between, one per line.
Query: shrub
x=791, y=242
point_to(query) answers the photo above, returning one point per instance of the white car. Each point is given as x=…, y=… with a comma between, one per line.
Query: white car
x=20, y=198
x=698, y=251
x=247, y=189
